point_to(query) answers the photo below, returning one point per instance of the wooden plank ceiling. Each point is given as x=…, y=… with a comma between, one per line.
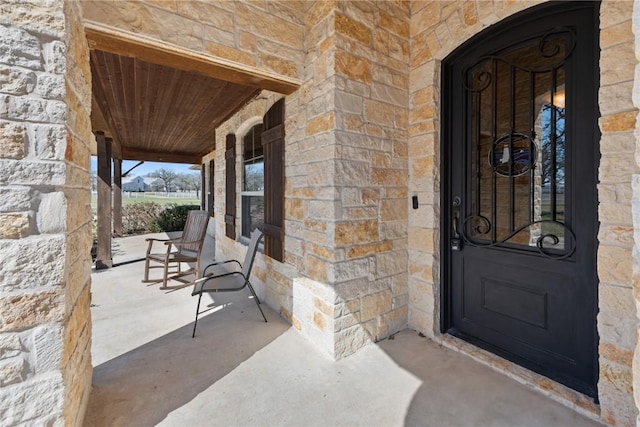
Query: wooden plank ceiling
x=159, y=113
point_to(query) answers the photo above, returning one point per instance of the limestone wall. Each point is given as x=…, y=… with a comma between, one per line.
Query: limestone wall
x=272, y=279
x=618, y=317
x=362, y=137
x=371, y=170
x=436, y=29
x=265, y=35
x=346, y=179
x=45, y=363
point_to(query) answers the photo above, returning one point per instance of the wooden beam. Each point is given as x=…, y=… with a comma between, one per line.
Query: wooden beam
x=117, y=197
x=98, y=122
x=116, y=149
x=103, y=258
x=99, y=99
x=121, y=42
x=156, y=156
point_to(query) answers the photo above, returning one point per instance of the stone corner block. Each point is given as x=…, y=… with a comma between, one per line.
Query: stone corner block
x=12, y=140
x=312, y=321
x=29, y=310
x=52, y=213
x=14, y=225
x=326, y=319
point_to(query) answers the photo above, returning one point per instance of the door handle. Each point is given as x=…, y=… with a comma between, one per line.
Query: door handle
x=456, y=241
x=454, y=223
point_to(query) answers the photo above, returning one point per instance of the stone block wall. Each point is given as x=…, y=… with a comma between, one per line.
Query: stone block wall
x=265, y=35
x=272, y=279
x=362, y=137
x=618, y=316
x=346, y=161
x=369, y=269
x=437, y=28
x=45, y=363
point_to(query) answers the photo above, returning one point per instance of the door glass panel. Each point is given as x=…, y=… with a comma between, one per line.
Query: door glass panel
x=516, y=129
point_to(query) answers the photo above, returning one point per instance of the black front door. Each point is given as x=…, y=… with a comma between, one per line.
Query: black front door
x=519, y=196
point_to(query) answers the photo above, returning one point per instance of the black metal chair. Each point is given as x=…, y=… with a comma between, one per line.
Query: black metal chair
x=228, y=281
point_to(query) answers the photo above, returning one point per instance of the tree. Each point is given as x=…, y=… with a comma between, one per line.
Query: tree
x=191, y=181
x=94, y=179
x=168, y=178
x=548, y=148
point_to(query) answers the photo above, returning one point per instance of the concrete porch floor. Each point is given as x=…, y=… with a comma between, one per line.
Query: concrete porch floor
x=240, y=371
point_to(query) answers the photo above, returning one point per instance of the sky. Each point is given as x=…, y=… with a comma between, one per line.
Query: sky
x=146, y=167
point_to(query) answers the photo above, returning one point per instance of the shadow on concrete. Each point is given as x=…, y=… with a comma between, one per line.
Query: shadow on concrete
x=458, y=391
x=142, y=386
x=242, y=371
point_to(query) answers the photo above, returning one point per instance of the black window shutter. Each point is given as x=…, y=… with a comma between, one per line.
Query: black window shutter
x=202, y=187
x=230, y=191
x=273, y=143
x=211, y=186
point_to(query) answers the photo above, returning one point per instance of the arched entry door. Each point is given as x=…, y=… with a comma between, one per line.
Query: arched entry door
x=520, y=144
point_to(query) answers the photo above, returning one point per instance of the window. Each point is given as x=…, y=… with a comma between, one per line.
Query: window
x=253, y=181
x=263, y=173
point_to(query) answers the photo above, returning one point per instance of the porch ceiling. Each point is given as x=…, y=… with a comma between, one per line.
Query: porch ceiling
x=159, y=113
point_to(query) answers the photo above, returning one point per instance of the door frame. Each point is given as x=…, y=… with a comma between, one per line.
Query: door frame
x=446, y=166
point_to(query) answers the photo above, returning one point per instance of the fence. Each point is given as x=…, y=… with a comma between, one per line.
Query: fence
x=148, y=194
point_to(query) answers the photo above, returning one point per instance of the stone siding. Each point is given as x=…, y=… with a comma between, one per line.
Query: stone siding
x=362, y=137
x=437, y=28
x=45, y=359
x=346, y=165
x=618, y=316
x=369, y=242
x=272, y=279
x=265, y=35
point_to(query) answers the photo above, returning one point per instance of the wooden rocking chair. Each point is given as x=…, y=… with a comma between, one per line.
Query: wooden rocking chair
x=188, y=249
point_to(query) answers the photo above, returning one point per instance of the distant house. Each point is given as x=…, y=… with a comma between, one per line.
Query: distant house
x=137, y=183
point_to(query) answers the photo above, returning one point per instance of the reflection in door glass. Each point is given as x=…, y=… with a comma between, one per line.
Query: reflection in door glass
x=552, y=178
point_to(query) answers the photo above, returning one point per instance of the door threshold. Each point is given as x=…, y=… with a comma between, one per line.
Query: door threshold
x=581, y=403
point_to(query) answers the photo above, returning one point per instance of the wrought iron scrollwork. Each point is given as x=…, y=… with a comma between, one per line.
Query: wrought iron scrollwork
x=483, y=79
x=549, y=46
x=542, y=242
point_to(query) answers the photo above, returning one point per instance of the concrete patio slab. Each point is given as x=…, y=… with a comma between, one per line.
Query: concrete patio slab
x=241, y=371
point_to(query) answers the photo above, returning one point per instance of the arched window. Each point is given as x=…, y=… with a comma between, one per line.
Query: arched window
x=262, y=173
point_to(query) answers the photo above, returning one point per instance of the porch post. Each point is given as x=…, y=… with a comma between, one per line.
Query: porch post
x=103, y=258
x=117, y=197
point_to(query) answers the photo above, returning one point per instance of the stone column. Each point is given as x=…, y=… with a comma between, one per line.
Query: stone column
x=355, y=224
x=45, y=228
x=618, y=196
